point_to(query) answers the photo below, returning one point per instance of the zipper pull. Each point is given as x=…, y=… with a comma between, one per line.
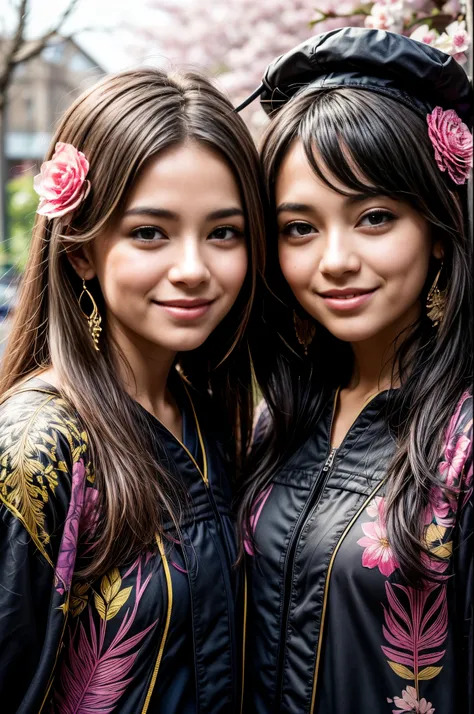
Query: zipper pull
x=329, y=460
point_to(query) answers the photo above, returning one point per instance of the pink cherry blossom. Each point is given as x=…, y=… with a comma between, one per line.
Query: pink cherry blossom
x=425, y=34
x=386, y=16
x=378, y=552
x=452, y=142
x=455, y=39
x=61, y=183
x=409, y=702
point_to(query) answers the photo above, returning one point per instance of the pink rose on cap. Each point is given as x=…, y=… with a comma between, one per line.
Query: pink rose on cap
x=61, y=183
x=452, y=142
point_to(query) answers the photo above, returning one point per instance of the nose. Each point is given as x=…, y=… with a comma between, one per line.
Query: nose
x=339, y=255
x=189, y=266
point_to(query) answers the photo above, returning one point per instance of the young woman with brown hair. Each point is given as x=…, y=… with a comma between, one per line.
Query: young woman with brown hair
x=124, y=378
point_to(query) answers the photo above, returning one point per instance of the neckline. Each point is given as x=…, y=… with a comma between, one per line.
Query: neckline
x=367, y=403
x=182, y=386
x=179, y=382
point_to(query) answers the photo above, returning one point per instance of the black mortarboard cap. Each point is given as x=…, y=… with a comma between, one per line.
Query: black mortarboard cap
x=413, y=73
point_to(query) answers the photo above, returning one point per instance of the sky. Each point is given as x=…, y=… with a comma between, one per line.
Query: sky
x=112, y=47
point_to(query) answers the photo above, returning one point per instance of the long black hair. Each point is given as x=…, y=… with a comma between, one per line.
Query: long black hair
x=371, y=144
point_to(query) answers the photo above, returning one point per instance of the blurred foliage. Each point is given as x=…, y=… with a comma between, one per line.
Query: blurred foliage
x=22, y=202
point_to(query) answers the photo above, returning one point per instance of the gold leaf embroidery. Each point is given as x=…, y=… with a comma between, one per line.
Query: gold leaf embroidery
x=29, y=443
x=435, y=533
x=401, y=670
x=110, y=585
x=119, y=600
x=108, y=610
x=79, y=598
x=445, y=550
x=100, y=605
x=429, y=673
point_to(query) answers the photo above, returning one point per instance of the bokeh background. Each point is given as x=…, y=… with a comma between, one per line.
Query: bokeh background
x=51, y=50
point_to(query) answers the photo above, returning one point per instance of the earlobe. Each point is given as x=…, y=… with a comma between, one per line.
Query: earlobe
x=80, y=259
x=438, y=251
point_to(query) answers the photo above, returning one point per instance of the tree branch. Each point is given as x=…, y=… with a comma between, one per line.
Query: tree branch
x=16, y=42
x=361, y=11
x=33, y=50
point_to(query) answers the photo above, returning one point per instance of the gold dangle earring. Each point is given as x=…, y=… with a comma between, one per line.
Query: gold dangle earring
x=436, y=301
x=304, y=330
x=94, y=319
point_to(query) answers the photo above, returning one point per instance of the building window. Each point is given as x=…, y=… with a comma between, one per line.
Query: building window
x=54, y=53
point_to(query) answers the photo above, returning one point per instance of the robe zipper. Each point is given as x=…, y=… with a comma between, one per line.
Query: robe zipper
x=220, y=528
x=288, y=574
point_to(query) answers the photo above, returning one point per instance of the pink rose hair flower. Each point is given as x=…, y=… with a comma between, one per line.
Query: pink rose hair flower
x=61, y=183
x=452, y=142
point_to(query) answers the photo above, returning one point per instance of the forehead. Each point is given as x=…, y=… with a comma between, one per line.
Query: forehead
x=297, y=176
x=184, y=173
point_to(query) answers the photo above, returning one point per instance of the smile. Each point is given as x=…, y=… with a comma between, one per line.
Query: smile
x=185, y=310
x=346, y=299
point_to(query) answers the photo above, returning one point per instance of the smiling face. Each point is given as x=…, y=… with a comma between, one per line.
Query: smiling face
x=172, y=265
x=357, y=264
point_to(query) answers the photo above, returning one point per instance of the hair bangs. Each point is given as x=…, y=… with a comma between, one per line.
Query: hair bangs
x=346, y=137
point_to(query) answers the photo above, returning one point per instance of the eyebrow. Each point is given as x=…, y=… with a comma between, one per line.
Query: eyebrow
x=305, y=208
x=172, y=216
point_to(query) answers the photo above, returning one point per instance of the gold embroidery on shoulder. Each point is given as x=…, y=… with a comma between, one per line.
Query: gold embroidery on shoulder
x=30, y=465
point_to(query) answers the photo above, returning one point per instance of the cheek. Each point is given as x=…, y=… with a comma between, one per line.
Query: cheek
x=230, y=269
x=405, y=268
x=124, y=271
x=297, y=266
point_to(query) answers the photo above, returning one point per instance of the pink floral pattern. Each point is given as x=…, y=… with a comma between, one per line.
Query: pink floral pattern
x=416, y=620
x=377, y=551
x=95, y=675
x=452, y=142
x=61, y=183
x=408, y=702
x=68, y=549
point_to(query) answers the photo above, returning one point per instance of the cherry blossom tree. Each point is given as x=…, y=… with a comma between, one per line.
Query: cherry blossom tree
x=236, y=39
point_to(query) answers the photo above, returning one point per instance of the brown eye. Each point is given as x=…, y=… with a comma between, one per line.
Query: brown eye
x=225, y=233
x=377, y=218
x=298, y=229
x=148, y=233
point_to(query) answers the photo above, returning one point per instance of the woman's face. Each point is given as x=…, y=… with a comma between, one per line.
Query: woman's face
x=357, y=264
x=172, y=266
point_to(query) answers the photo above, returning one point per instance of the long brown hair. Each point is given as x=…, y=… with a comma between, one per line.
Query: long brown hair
x=353, y=128
x=119, y=124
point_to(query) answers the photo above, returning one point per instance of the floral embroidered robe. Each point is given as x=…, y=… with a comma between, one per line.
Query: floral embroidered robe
x=332, y=627
x=158, y=636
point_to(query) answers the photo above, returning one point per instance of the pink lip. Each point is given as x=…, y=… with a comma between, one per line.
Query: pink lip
x=336, y=300
x=185, y=309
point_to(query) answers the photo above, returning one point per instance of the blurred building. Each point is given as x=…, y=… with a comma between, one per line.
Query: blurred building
x=41, y=90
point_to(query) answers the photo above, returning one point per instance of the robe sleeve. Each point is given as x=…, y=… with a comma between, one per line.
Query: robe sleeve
x=464, y=558
x=42, y=479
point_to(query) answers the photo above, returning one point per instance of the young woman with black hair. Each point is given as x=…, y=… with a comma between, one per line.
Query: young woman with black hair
x=358, y=510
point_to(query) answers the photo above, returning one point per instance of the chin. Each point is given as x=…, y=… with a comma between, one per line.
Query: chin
x=352, y=333
x=186, y=343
